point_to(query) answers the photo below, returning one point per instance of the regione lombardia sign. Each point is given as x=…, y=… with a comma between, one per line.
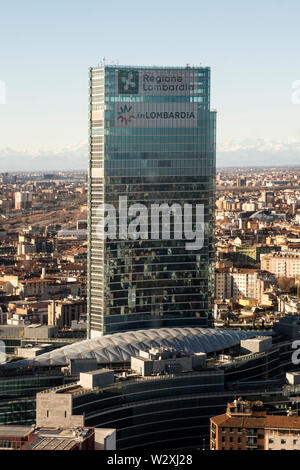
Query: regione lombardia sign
x=156, y=82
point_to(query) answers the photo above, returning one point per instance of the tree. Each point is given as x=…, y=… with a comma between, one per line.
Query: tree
x=286, y=284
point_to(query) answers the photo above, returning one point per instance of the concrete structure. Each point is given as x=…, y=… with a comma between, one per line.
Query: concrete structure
x=56, y=409
x=293, y=378
x=33, y=351
x=32, y=332
x=158, y=361
x=105, y=439
x=82, y=365
x=96, y=378
x=257, y=345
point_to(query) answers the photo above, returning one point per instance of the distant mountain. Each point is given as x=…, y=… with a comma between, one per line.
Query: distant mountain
x=75, y=157
x=258, y=153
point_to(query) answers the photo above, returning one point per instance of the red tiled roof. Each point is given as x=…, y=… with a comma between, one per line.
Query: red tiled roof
x=264, y=422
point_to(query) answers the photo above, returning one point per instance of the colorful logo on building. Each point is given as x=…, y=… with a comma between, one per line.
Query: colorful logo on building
x=128, y=82
x=125, y=114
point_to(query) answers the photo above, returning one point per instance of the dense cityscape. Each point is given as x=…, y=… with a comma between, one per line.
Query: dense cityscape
x=43, y=285
x=149, y=231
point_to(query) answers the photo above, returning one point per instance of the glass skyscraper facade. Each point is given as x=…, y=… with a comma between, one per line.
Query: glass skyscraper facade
x=152, y=141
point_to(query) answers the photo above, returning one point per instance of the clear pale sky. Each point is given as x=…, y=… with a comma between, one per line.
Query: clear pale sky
x=253, y=48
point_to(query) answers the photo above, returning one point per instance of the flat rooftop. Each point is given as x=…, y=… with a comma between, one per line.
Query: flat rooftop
x=58, y=439
x=97, y=371
x=15, y=431
x=151, y=67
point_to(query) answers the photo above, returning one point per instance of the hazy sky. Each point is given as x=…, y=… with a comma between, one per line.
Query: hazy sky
x=253, y=48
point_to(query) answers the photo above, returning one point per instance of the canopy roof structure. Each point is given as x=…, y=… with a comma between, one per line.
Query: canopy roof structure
x=119, y=347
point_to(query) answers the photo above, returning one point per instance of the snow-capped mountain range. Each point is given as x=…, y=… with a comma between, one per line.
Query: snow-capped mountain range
x=260, y=152
x=247, y=153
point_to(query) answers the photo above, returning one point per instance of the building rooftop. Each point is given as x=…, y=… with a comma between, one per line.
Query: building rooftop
x=58, y=439
x=15, y=431
x=120, y=347
x=266, y=422
x=150, y=67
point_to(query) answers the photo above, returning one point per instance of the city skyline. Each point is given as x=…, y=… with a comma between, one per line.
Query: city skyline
x=254, y=70
x=150, y=228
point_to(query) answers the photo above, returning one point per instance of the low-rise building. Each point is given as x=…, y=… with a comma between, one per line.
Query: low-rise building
x=247, y=426
x=62, y=313
x=56, y=438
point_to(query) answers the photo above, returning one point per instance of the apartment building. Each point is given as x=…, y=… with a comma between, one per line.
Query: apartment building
x=247, y=426
x=234, y=282
x=283, y=264
x=61, y=313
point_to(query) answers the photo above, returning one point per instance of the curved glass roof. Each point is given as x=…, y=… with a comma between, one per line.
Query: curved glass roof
x=119, y=347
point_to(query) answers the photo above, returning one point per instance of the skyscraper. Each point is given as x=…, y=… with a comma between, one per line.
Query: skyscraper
x=152, y=142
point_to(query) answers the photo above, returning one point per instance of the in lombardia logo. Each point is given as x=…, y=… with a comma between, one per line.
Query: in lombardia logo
x=128, y=82
x=125, y=115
